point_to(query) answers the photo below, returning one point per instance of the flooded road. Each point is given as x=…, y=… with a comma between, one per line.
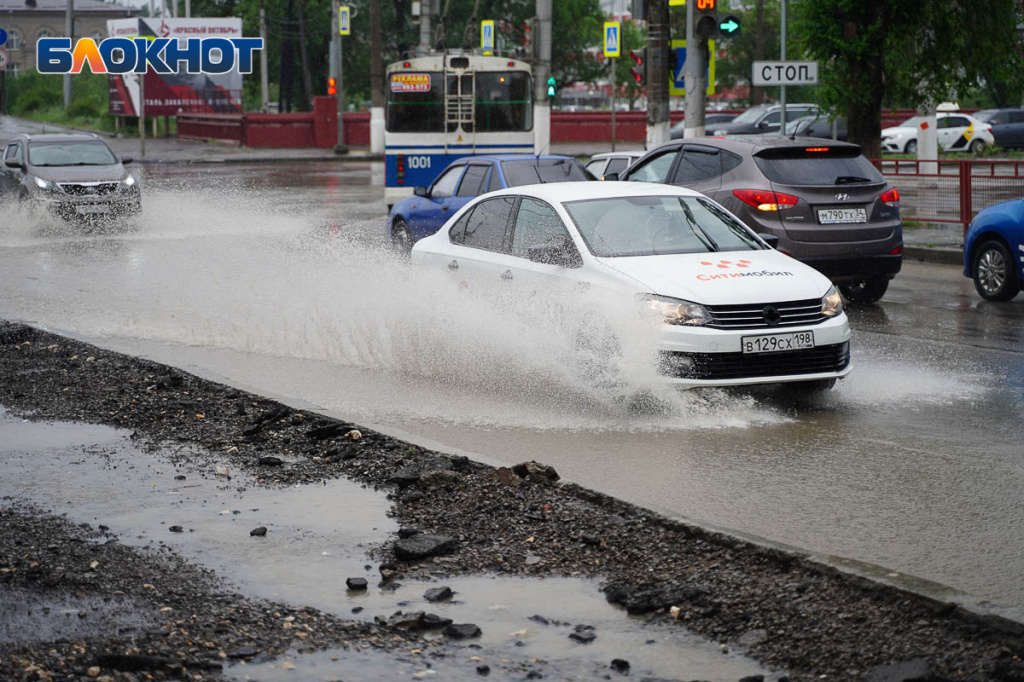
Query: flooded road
x=275, y=278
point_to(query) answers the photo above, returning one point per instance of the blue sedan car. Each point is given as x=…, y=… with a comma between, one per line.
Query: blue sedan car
x=994, y=250
x=423, y=214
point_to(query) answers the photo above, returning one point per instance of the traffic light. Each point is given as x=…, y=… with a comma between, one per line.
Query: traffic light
x=729, y=27
x=639, y=70
x=552, y=86
x=331, y=87
x=707, y=21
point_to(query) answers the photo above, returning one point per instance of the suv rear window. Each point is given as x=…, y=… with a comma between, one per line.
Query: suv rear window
x=798, y=166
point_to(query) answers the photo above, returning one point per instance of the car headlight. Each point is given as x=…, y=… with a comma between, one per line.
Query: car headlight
x=832, y=303
x=43, y=184
x=128, y=181
x=678, y=312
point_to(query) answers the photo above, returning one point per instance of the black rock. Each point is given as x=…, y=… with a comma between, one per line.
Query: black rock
x=357, y=609
x=540, y=619
x=328, y=431
x=914, y=669
x=270, y=461
x=436, y=594
x=179, y=477
x=176, y=529
x=407, y=621
x=583, y=634
x=621, y=666
x=242, y=653
x=131, y=663
x=423, y=546
x=483, y=670
x=407, y=532
x=356, y=584
x=462, y=631
x=258, y=532
x=432, y=621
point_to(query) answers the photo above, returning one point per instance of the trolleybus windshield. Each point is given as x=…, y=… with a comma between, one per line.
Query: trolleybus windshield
x=500, y=99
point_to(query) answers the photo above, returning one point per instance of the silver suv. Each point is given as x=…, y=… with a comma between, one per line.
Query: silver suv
x=761, y=119
x=74, y=176
x=822, y=202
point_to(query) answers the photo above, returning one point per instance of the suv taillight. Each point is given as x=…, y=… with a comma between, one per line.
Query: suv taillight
x=766, y=200
x=891, y=198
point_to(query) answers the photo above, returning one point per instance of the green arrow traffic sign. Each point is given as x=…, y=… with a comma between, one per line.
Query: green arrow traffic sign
x=730, y=26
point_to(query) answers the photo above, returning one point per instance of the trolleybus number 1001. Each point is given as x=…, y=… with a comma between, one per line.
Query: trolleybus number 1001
x=419, y=161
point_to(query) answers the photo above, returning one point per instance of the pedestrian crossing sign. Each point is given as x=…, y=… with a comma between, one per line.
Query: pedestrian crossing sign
x=344, y=20
x=612, y=32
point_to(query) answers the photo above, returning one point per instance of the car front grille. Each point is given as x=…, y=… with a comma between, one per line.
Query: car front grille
x=765, y=315
x=711, y=366
x=88, y=189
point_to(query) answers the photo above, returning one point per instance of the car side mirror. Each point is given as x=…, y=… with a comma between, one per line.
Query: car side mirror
x=771, y=240
x=612, y=176
x=12, y=163
x=562, y=255
x=125, y=160
x=420, y=191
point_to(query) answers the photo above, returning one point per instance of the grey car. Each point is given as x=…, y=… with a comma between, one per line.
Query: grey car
x=1007, y=125
x=73, y=176
x=826, y=204
x=761, y=119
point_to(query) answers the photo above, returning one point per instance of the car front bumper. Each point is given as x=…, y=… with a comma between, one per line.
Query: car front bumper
x=694, y=357
x=119, y=205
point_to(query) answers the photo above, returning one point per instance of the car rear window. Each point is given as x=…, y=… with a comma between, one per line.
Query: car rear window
x=805, y=166
x=534, y=171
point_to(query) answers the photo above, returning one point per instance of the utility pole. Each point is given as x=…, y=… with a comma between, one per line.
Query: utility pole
x=426, y=41
x=336, y=68
x=69, y=31
x=376, y=81
x=541, y=103
x=782, y=94
x=657, y=72
x=264, y=76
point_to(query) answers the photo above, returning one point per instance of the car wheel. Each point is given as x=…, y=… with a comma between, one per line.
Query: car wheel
x=865, y=290
x=977, y=146
x=995, y=274
x=401, y=237
x=911, y=147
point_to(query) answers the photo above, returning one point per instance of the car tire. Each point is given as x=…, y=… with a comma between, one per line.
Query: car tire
x=401, y=238
x=911, y=147
x=978, y=146
x=994, y=272
x=865, y=290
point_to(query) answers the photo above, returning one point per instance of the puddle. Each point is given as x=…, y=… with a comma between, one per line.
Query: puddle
x=318, y=536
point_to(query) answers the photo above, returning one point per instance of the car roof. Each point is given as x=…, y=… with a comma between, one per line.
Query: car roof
x=511, y=157
x=752, y=144
x=635, y=153
x=60, y=137
x=557, y=192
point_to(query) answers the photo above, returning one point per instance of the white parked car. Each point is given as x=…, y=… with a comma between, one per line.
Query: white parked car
x=956, y=132
x=719, y=305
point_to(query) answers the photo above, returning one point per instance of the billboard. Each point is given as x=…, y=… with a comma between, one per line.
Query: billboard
x=172, y=94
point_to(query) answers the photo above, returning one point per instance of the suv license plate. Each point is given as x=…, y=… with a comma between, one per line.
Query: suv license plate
x=830, y=216
x=774, y=343
x=91, y=210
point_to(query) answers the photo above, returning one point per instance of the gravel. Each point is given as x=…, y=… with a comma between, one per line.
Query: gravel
x=457, y=517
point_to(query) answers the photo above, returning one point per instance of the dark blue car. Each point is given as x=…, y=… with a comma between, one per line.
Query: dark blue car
x=994, y=250
x=423, y=214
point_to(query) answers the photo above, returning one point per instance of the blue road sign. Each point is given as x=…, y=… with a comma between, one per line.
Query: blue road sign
x=3, y=37
x=677, y=86
x=612, y=47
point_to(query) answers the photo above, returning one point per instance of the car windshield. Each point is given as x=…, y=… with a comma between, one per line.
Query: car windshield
x=70, y=154
x=750, y=115
x=533, y=171
x=657, y=225
x=817, y=166
x=912, y=122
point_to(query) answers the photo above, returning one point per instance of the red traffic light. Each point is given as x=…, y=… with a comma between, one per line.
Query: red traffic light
x=331, y=87
x=637, y=57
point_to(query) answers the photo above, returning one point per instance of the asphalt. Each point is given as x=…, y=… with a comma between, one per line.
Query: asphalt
x=942, y=244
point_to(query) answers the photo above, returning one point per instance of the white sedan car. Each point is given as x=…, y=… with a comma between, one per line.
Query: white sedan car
x=956, y=132
x=718, y=305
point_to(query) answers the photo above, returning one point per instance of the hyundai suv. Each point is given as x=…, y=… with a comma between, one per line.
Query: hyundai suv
x=827, y=205
x=74, y=176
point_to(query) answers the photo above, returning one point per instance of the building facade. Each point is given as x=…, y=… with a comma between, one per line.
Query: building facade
x=26, y=21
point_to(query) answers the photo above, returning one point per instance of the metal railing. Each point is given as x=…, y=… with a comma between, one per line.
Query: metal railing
x=946, y=191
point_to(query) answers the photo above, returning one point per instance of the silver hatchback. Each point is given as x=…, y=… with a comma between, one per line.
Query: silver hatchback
x=827, y=205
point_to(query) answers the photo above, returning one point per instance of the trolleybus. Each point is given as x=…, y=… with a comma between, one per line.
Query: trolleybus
x=445, y=106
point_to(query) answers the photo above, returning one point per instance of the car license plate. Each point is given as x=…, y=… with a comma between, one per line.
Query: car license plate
x=773, y=343
x=91, y=210
x=830, y=216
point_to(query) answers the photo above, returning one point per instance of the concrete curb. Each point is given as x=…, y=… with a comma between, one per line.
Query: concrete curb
x=940, y=255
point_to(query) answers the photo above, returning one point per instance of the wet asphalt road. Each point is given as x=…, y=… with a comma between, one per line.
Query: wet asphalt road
x=274, y=278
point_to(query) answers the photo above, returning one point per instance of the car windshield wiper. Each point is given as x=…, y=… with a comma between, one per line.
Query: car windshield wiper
x=698, y=232
x=849, y=179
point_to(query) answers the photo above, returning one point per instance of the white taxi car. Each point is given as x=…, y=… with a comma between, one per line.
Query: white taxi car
x=721, y=306
x=955, y=132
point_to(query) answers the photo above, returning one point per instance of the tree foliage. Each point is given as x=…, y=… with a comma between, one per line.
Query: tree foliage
x=910, y=52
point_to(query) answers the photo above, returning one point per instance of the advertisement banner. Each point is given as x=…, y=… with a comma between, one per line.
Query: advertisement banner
x=171, y=94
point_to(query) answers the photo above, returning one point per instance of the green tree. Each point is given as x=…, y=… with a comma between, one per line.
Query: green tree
x=632, y=38
x=908, y=51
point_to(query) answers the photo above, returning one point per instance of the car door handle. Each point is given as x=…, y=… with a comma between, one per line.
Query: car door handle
x=454, y=265
x=507, y=276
